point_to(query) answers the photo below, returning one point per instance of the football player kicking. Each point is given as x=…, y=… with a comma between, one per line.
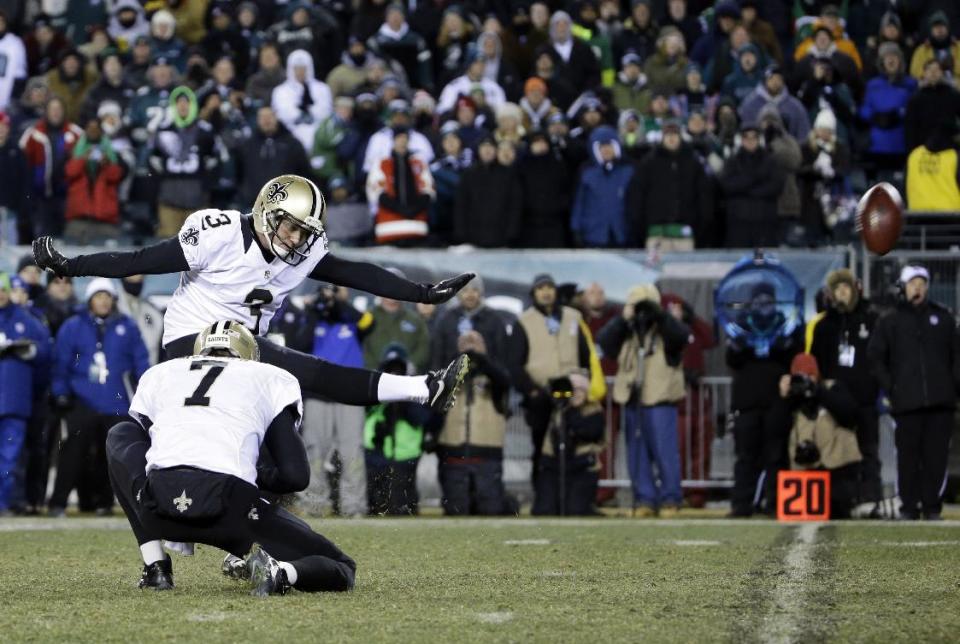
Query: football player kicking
x=188, y=471
x=242, y=267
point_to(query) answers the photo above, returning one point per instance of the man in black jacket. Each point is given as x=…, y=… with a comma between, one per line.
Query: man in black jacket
x=934, y=102
x=269, y=150
x=915, y=354
x=840, y=341
x=675, y=196
x=486, y=210
x=751, y=183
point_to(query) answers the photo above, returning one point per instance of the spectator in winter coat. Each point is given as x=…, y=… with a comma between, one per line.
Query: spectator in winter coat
x=270, y=151
x=301, y=101
x=884, y=107
x=726, y=13
x=454, y=42
x=95, y=353
x=269, y=74
x=71, y=81
x=693, y=96
x=667, y=67
x=164, y=42
x=639, y=33
x=746, y=75
x=15, y=57
x=684, y=18
x=325, y=157
x=535, y=105
x=785, y=152
x=574, y=58
x=44, y=44
x=392, y=323
x=823, y=170
x=447, y=171
x=727, y=59
x=396, y=41
x=399, y=191
x=13, y=196
x=751, y=184
x=148, y=108
x=345, y=78
x=93, y=175
x=939, y=46
x=890, y=30
x=184, y=154
x=774, y=90
x=599, y=217
x=845, y=68
x=936, y=101
x=47, y=145
x=380, y=144
x=224, y=39
x=127, y=23
x=24, y=361
x=496, y=67
x=674, y=198
x=826, y=32
x=545, y=185
x=561, y=91
x=488, y=203
x=464, y=86
x=761, y=32
x=630, y=90
x=825, y=88
x=112, y=86
x=132, y=302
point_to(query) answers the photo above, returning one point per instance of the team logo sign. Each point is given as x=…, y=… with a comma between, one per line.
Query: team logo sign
x=182, y=502
x=191, y=236
x=278, y=192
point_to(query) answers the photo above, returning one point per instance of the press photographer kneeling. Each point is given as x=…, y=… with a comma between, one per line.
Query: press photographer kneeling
x=817, y=418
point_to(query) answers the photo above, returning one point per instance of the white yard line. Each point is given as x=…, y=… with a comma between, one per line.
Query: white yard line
x=782, y=620
x=527, y=542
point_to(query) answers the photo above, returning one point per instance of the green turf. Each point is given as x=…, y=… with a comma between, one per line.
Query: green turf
x=437, y=580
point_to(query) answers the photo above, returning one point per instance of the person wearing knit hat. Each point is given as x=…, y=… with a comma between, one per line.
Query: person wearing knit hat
x=914, y=354
x=815, y=419
x=884, y=104
x=839, y=341
x=939, y=45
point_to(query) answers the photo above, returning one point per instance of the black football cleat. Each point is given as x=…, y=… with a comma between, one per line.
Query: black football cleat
x=158, y=575
x=235, y=568
x=266, y=575
x=444, y=383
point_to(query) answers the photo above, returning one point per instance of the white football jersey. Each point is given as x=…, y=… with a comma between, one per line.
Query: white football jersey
x=229, y=279
x=212, y=413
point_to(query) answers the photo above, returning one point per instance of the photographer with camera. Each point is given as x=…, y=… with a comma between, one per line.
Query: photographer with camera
x=470, y=444
x=817, y=418
x=915, y=353
x=569, y=487
x=649, y=343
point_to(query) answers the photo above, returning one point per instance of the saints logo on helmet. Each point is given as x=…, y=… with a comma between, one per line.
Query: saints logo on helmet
x=227, y=337
x=295, y=203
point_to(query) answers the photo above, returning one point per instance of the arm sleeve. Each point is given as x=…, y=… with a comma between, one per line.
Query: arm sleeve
x=164, y=257
x=367, y=277
x=63, y=355
x=877, y=353
x=283, y=467
x=841, y=405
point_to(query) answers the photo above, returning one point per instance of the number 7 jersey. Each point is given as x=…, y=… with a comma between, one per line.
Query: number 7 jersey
x=229, y=277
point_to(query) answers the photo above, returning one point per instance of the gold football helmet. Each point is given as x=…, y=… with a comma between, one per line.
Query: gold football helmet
x=298, y=201
x=227, y=336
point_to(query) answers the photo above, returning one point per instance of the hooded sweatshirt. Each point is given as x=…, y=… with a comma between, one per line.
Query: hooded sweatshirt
x=301, y=106
x=599, y=210
x=125, y=36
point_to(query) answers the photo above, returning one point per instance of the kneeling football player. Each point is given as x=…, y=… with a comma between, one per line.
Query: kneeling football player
x=187, y=471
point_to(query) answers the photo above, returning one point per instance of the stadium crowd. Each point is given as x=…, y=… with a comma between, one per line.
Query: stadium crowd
x=661, y=123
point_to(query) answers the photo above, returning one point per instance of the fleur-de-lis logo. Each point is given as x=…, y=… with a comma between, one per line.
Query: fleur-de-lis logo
x=191, y=236
x=278, y=192
x=182, y=502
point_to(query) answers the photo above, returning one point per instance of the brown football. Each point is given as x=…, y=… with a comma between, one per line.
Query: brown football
x=880, y=218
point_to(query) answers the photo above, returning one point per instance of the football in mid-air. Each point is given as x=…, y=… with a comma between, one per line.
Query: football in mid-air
x=880, y=218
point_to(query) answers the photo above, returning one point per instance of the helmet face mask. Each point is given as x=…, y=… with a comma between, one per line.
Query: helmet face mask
x=227, y=337
x=292, y=200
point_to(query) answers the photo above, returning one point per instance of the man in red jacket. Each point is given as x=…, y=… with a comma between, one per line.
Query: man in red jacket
x=93, y=174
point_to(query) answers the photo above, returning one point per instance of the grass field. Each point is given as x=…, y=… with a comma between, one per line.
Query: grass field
x=438, y=580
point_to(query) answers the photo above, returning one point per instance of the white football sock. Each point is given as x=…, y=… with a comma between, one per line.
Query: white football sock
x=291, y=571
x=393, y=388
x=152, y=551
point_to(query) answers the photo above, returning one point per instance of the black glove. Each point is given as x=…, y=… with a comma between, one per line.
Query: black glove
x=443, y=291
x=48, y=257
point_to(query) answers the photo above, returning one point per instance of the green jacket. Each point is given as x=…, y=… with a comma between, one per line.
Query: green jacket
x=329, y=135
x=401, y=442
x=404, y=327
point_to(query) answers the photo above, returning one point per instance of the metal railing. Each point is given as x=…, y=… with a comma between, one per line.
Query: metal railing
x=706, y=458
x=879, y=275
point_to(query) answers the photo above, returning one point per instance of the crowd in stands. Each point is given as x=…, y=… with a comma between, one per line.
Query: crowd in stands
x=674, y=124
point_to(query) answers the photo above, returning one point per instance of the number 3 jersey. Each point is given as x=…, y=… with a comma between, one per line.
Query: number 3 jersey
x=229, y=277
x=212, y=413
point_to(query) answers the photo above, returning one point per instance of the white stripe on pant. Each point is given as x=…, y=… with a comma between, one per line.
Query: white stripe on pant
x=329, y=427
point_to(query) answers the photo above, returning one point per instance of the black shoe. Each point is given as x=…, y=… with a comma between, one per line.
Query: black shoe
x=444, y=383
x=158, y=575
x=932, y=516
x=235, y=568
x=266, y=575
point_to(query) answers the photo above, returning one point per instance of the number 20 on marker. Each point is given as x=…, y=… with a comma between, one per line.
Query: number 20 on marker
x=803, y=495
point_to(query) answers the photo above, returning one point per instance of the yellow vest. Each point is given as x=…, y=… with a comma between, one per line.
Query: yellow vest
x=837, y=445
x=932, y=180
x=661, y=384
x=551, y=356
x=477, y=422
